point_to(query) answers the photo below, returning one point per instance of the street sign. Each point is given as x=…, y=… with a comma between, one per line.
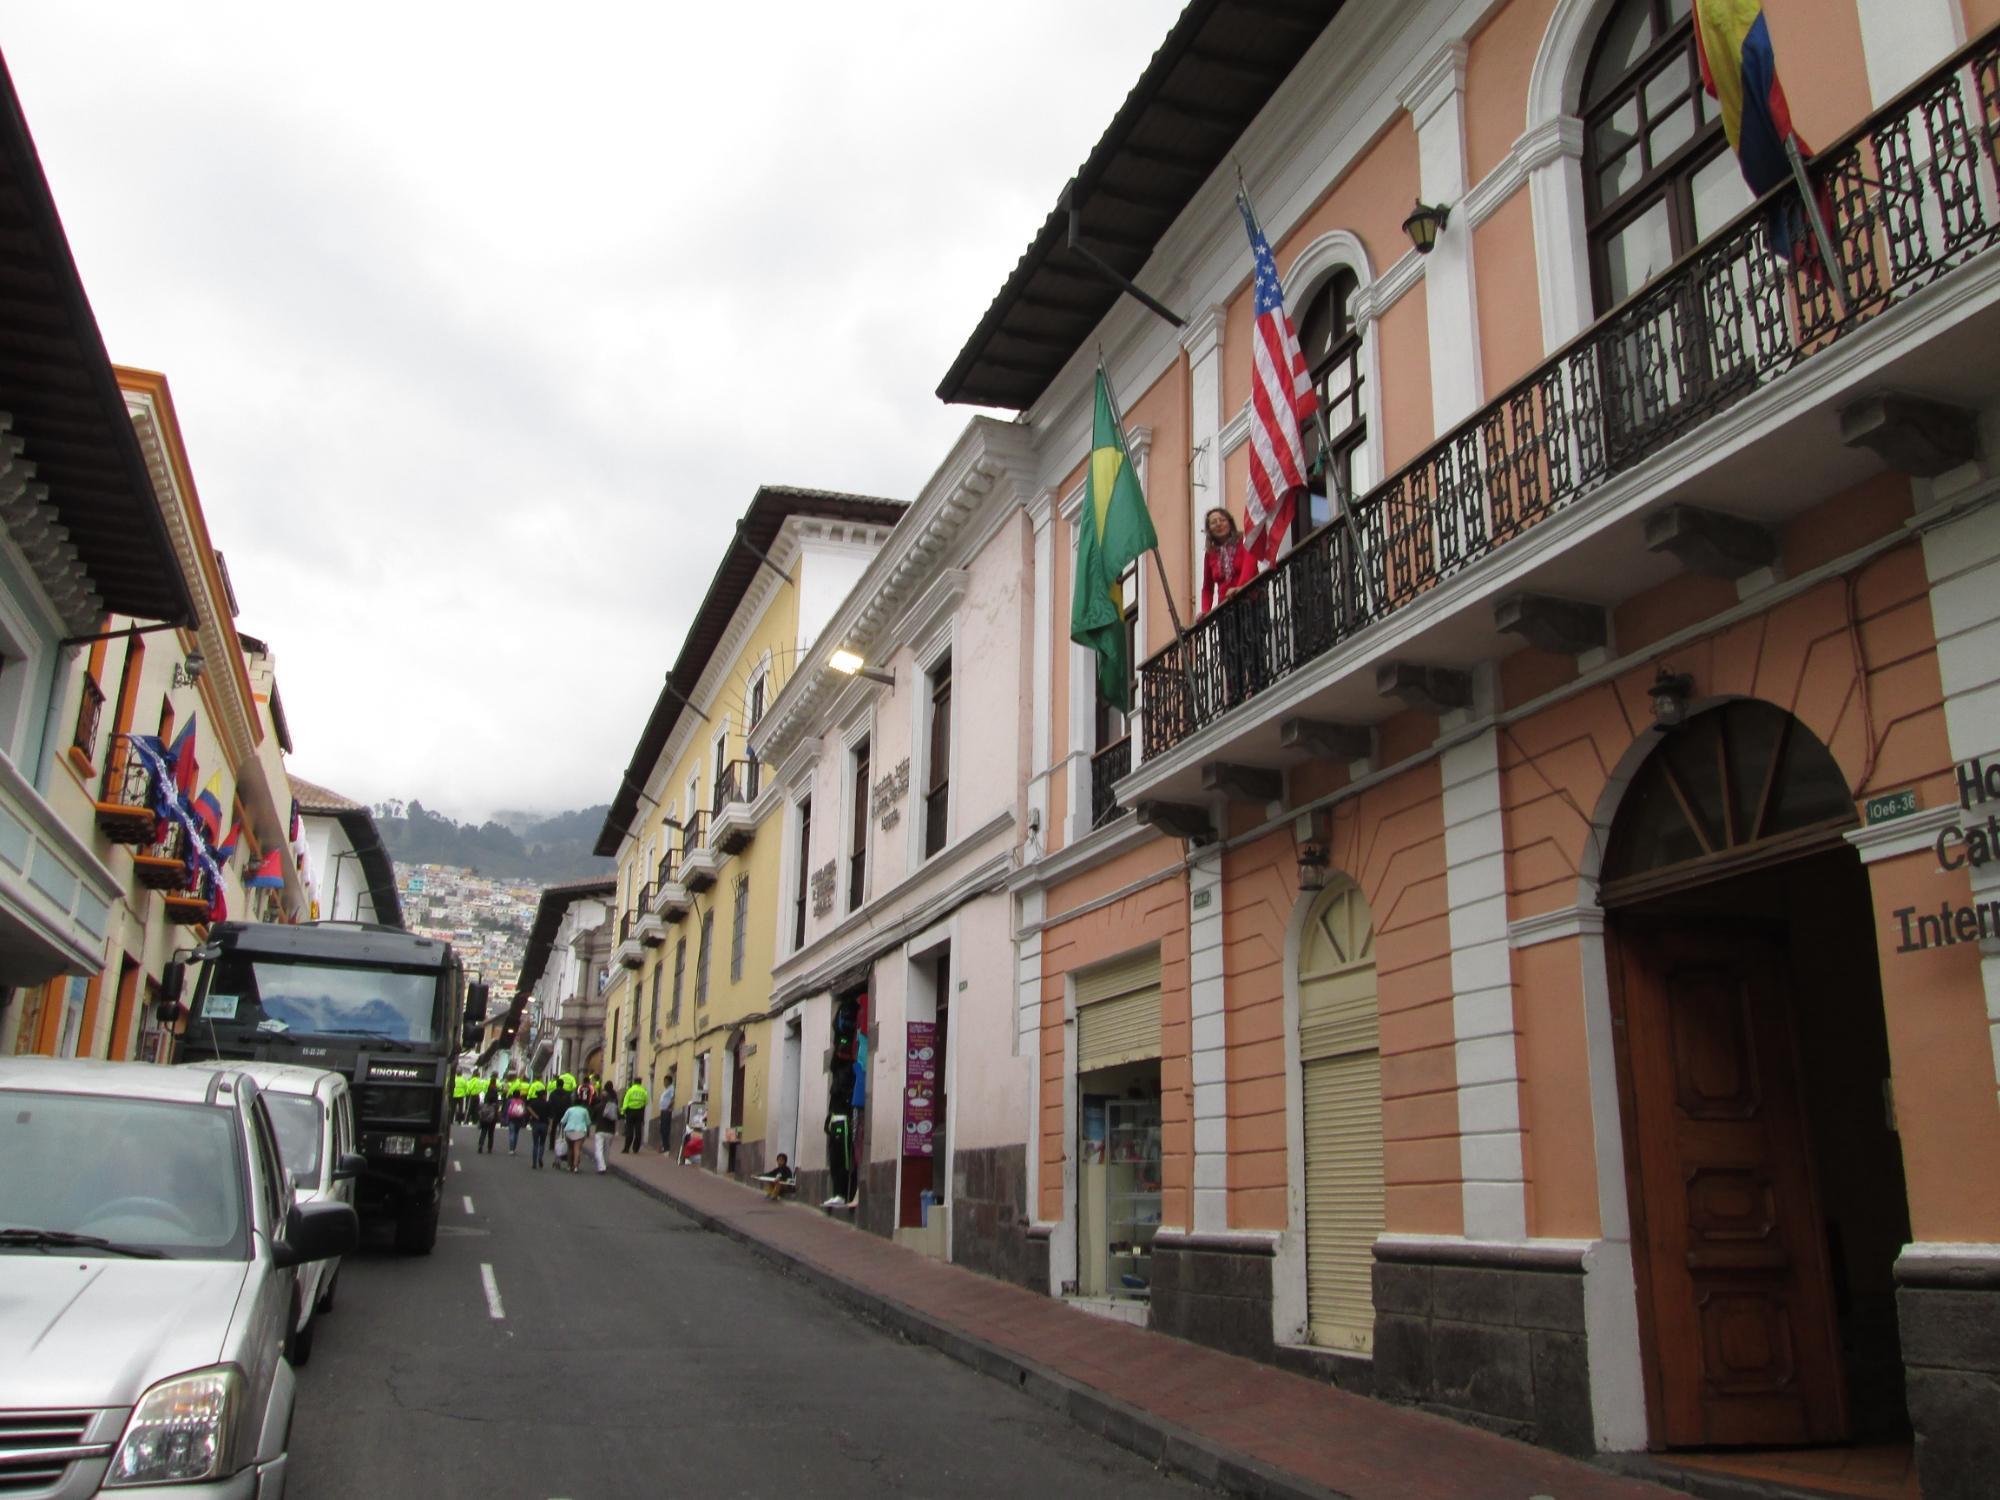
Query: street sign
x=1894, y=805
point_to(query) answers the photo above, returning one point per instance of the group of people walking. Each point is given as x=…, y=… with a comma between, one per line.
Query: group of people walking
x=564, y=1116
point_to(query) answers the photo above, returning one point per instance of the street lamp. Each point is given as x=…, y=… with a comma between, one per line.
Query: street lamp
x=851, y=664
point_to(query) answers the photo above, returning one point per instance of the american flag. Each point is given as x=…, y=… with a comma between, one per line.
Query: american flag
x=1282, y=402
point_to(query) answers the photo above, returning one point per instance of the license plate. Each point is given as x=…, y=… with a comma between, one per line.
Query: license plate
x=399, y=1145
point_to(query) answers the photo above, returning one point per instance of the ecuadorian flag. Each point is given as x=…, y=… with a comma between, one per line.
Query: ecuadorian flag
x=1741, y=72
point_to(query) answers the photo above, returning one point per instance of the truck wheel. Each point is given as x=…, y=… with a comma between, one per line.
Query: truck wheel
x=325, y=1304
x=302, y=1343
x=417, y=1230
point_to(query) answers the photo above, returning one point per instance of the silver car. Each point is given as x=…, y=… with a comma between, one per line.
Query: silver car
x=313, y=1112
x=149, y=1245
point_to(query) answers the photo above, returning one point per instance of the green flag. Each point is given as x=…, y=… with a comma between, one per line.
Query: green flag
x=1115, y=529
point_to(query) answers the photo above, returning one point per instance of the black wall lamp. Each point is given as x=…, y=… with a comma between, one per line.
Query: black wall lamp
x=1313, y=864
x=1670, y=694
x=1425, y=223
x=188, y=673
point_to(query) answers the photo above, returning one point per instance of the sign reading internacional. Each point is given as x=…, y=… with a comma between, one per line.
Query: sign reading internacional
x=1971, y=846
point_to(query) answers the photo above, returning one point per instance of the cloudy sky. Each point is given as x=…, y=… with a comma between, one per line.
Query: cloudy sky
x=485, y=321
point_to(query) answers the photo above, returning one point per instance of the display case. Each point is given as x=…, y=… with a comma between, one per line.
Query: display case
x=1131, y=1195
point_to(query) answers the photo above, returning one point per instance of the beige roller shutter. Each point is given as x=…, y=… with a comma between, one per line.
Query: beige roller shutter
x=1339, y=1046
x=1118, y=1013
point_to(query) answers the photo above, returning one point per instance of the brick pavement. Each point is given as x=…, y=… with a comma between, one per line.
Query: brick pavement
x=1242, y=1426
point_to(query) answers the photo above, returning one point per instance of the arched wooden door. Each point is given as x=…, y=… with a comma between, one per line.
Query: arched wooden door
x=1736, y=1279
x=1340, y=1064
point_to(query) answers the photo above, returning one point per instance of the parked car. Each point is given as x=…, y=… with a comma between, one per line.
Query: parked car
x=149, y=1246
x=313, y=1111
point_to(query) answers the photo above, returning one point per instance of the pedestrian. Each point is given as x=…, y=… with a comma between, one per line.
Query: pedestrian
x=489, y=1119
x=541, y=1116
x=632, y=1109
x=605, y=1115
x=575, y=1127
x=667, y=1116
x=780, y=1179
x=517, y=1116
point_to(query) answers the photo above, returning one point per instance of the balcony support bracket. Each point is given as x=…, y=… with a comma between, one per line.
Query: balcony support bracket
x=1243, y=783
x=1912, y=435
x=1343, y=743
x=1709, y=543
x=1562, y=626
x=1178, y=819
x=1434, y=690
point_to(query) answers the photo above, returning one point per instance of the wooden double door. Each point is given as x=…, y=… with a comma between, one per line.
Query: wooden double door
x=1735, y=1280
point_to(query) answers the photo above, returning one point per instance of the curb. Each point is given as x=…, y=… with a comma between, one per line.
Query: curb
x=1151, y=1437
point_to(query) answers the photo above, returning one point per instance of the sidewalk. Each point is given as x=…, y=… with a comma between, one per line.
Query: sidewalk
x=1232, y=1423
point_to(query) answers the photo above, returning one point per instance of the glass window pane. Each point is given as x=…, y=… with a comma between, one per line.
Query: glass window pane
x=1625, y=38
x=1616, y=131
x=1672, y=133
x=1669, y=84
x=1618, y=178
x=1679, y=10
x=1637, y=253
x=1720, y=193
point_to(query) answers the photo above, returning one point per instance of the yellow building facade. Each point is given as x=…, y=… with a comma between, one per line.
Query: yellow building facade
x=702, y=879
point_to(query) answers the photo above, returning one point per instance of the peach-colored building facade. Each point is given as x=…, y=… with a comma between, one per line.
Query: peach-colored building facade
x=1532, y=953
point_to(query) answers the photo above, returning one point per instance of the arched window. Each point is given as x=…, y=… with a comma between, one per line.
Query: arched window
x=1658, y=172
x=1332, y=345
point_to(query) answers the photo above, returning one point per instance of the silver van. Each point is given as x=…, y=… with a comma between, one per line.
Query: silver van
x=149, y=1246
x=313, y=1112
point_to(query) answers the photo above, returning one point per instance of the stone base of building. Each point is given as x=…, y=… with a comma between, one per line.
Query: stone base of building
x=989, y=1217
x=1215, y=1289
x=749, y=1161
x=1493, y=1336
x=1948, y=1314
x=877, y=1211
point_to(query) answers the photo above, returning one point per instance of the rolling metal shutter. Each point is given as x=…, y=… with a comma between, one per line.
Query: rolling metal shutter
x=1340, y=1053
x=1118, y=1013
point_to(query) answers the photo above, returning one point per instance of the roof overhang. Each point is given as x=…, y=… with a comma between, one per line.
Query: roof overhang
x=57, y=386
x=1213, y=75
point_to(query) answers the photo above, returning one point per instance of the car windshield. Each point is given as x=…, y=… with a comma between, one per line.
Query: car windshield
x=140, y=1173
x=320, y=999
x=298, y=1120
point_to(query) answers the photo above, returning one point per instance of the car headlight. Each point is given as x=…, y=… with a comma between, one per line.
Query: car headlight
x=182, y=1429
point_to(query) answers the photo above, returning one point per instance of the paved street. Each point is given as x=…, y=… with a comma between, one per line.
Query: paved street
x=637, y=1355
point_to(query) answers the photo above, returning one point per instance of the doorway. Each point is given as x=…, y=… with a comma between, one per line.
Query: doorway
x=1763, y=1165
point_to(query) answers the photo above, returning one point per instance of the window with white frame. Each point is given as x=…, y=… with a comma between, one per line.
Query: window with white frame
x=937, y=758
x=857, y=837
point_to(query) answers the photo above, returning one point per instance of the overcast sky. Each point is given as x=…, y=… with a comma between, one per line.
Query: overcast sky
x=484, y=322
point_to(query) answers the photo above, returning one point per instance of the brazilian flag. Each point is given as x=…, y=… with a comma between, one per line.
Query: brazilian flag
x=1115, y=530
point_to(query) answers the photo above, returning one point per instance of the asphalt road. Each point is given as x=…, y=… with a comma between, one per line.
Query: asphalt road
x=633, y=1354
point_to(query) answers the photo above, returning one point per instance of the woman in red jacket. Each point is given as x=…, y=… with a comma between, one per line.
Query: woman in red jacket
x=1227, y=563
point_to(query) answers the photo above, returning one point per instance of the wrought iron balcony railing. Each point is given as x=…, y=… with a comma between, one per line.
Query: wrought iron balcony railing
x=1108, y=767
x=694, y=834
x=736, y=782
x=125, y=797
x=1910, y=195
x=664, y=875
x=89, y=713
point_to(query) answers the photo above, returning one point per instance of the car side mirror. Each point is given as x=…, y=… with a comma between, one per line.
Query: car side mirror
x=348, y=1166
x=316, y=1231
x=173, y=980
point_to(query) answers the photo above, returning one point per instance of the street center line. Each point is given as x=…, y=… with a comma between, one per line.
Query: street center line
x=468, y=1203
x=493, y=1304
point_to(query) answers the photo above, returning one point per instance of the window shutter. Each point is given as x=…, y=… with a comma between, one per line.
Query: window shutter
x=1118, y=1013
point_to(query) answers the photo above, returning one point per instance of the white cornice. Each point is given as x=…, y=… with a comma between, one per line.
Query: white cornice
x=1120, y=836
x=922, y=617
x=1903, y=836
x=989, y=468
x=1204, y=332
x=1440, y=77
x=1553, y=926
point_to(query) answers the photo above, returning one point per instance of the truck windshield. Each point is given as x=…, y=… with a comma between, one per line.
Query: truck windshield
x=270, y=996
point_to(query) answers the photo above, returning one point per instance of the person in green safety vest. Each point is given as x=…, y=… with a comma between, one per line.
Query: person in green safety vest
x=458, y=1098
x=535, y=1089
x=632, y=1111
x=569, y=1083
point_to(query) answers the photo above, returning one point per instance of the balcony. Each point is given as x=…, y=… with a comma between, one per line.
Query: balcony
x=731, y=827
x=649, y=927
x=1730, y=395
x=670, y=897
x=125, y=798
x=629, y=953
x=162, y=865
x=701, y=861
x=1108, y=766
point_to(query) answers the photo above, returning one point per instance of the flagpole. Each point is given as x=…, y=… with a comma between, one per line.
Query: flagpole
x=1810, y=202
x=1159, y=563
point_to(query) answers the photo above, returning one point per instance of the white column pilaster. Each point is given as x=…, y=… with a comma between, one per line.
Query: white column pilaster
x=1482, y=1005
x=1554, y=156
x=1208, y=1055
x=1435, y=99
x=1028, y=1033
x=1901, y=40
x=1202, y=340
x=1041, y=513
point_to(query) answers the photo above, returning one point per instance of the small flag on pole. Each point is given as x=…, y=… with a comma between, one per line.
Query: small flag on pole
x=269, y=874
x=181, y=755
x=1282, y=402
x=208, y=809
x=1115, y=529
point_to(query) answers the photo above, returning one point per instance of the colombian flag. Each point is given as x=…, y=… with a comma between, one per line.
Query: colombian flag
x=1740, y=70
